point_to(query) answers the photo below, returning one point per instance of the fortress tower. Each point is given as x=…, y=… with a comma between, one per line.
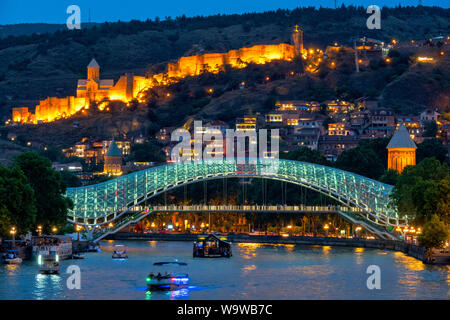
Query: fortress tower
x=297, y=39
x=401, y=150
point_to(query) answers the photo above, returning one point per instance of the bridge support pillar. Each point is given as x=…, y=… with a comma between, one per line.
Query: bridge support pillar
x=89, y=231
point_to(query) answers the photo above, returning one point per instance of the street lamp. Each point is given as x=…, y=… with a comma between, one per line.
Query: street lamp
x=39, y=230
x=326, y=227
x=13, y=233
x=54, y=230
x=78, y=229
x=358, y=229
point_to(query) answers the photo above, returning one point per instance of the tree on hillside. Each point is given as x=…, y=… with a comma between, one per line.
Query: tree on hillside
x=148, y=151
x=431, y=148
x=424, y=190
x=363, y=161
x=430, y=129
x=69, y=179
x=390, y=177
x=307, y=155
x=434, y=234
x=17, y=203
x=49, y=189
x=378, y=145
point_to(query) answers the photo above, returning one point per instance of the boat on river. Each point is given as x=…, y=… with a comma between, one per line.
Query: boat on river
x=12, y=257
x=212, y=246
x=120, y=252
x=93, y=247
x=166, y=276
x=48, y=264
x=77, y=255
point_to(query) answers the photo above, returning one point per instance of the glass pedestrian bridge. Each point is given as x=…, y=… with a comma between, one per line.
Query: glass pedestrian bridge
x=105, y=202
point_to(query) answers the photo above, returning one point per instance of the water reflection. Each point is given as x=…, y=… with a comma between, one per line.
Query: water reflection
x=249, y=249
x=326, y=250
x=12, y=269
x=46, y=285
x=359, y=255
x=248, y=268
x=181, y=294
x=408, y=262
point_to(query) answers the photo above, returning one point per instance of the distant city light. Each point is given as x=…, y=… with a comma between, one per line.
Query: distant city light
x=425, y=59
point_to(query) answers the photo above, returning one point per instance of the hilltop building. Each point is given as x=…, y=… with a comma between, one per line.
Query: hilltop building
x=88, y=90
x=401, y=150
x=130, y=87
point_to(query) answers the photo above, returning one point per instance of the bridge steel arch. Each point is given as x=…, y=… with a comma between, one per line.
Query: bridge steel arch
x=105, y=202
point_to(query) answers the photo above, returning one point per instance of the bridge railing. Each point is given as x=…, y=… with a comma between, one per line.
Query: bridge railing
x=300, y=208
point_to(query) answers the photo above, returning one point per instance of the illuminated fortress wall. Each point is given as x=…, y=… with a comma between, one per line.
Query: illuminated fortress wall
x=55, y=108
x=130, y=86
x=214, y=62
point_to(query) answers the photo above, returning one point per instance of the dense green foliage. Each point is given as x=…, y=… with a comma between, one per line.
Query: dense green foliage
x=368, y=159
x=69, y=179
x=390, y=176
x=430, y=129
x=17, y=201
x=423, y=192
x=147, y=152
x=31, y=193
x=49, y=188
x=434, y=233
x=431, y=148
x=307, y=155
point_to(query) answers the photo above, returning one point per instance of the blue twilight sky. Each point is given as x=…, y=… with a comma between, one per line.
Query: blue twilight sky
x=54, y=11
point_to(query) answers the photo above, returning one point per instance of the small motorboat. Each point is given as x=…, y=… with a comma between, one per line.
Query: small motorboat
x=93, y=247
x=77, y=255
x=48, y=264
x=120, y=252
x=172, y=280
x=11, y=257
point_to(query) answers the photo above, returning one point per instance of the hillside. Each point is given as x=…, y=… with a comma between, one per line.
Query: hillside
x=33, y=67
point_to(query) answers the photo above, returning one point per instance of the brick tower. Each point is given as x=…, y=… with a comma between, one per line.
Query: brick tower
x=401, y=150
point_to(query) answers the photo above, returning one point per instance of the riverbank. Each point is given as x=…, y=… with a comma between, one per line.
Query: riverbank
x=393, y=245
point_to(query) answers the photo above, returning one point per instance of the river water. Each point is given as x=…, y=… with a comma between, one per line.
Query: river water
x=255, y=271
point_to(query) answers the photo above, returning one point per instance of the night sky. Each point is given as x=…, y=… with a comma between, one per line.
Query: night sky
x=51, y=11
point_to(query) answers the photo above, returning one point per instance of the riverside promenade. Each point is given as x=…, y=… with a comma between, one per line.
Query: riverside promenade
x=394, y=245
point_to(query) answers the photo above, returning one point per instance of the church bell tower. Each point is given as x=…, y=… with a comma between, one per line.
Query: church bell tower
x=297, y=39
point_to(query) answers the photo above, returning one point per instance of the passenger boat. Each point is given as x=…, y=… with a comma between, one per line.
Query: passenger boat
x=212, y=246
x=53, y=245
x=120, y=252
x=48, y=264
x=11, y=257
x=164, y=279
